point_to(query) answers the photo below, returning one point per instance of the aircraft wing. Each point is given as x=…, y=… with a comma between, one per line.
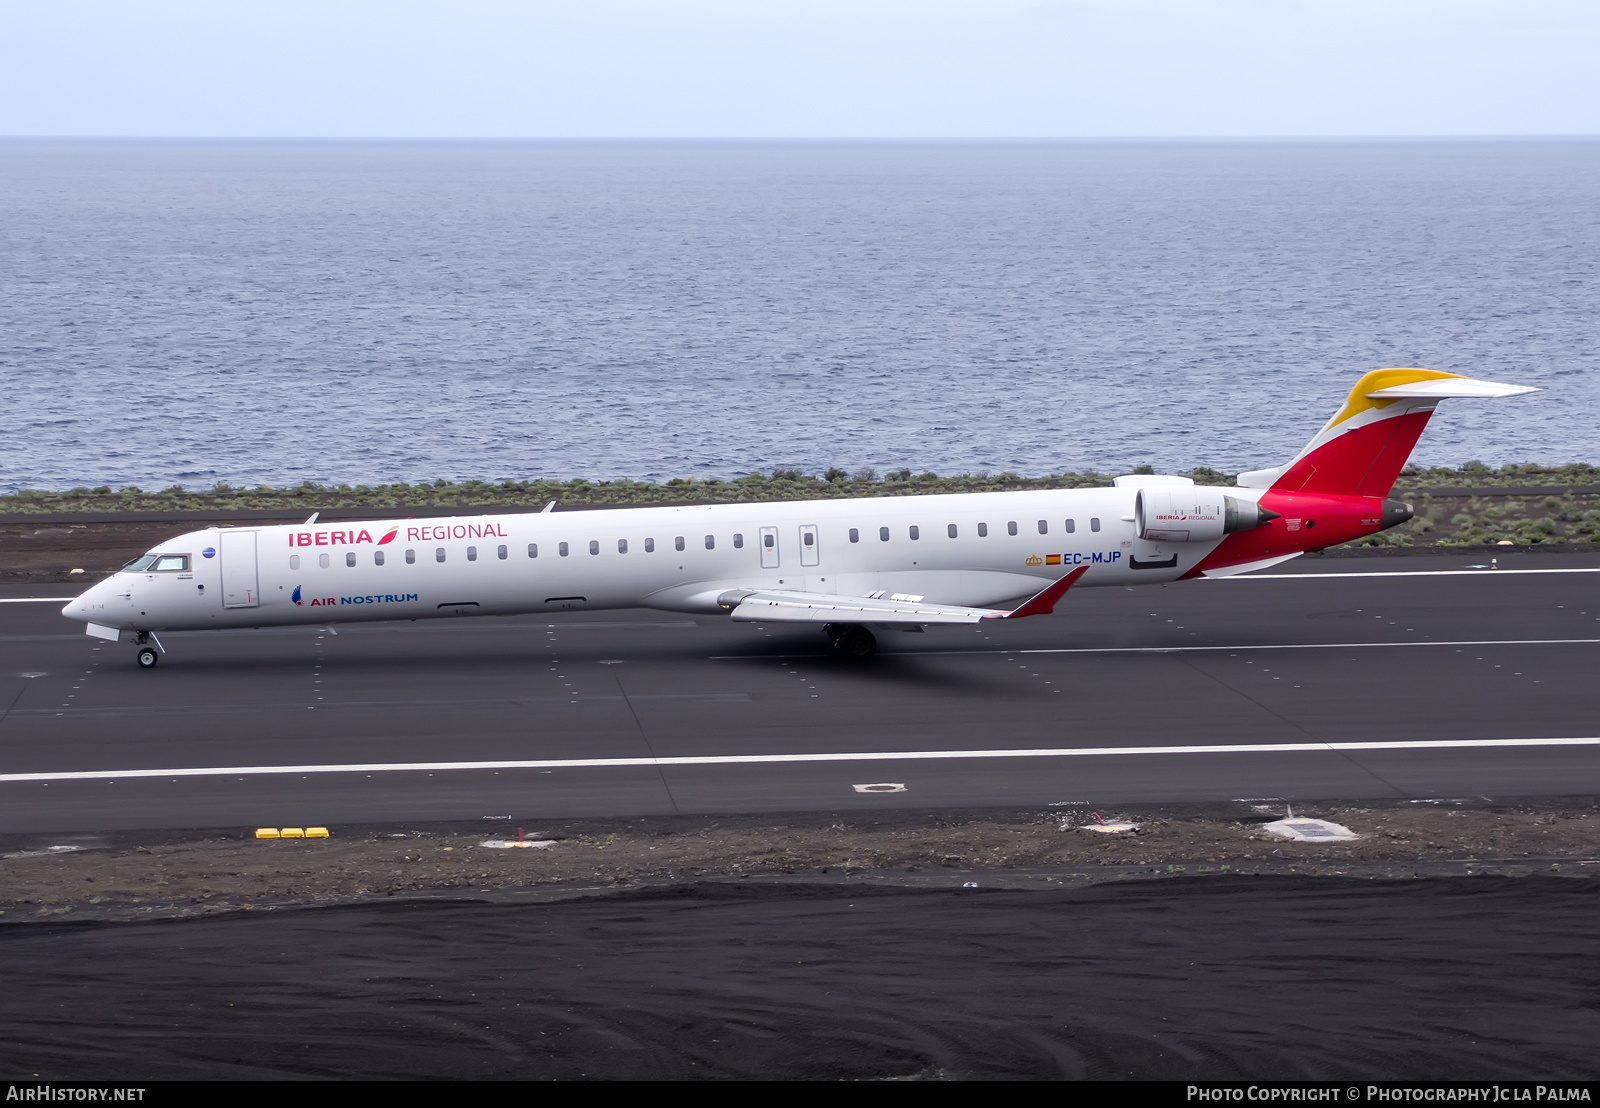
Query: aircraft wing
x=787, y=606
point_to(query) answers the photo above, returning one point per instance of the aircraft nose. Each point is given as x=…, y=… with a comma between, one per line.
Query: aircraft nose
x=79, y=607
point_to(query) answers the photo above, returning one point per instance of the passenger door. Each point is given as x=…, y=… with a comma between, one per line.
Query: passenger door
x=240, y=587
x=809, y=552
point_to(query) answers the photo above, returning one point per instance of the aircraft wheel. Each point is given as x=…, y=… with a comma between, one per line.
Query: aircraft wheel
x=148, y=657
x=858, y=643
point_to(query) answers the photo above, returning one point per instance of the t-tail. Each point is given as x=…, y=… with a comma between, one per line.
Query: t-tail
x=1363, y=448
x=1337, y=488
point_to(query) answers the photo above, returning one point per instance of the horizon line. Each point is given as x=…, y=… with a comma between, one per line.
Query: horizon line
x=753, y=139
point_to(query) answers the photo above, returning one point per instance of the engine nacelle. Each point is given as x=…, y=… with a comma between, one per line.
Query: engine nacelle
x=1193, y=513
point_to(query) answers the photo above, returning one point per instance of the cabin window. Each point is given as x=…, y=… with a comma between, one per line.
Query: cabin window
x=883, y=534
x=983, y=530
x=502, y=552
x=769, y=541
x=916, y=532
x=738, y=542
x=622, y=546
x=649, y=546
x=562, y=549
x=533, y=550
x=411, y=557
x=1094, y=523
x=855, y=535
x=1044, y=527
x=594, y=546
x=322, y=561
x=678, y=542
x=350, y=559
x=711, y=542
x=472, y=553
x=438, y=554
x=377, y=557
x=294, y=561
x=1072, y=526
x=168, y=563
x=951, y=530
x=1011, y=528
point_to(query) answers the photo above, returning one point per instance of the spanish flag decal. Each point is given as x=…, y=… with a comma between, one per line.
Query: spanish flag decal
x=1052, y=559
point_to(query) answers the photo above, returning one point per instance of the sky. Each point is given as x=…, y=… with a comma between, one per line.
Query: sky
x=822, y=69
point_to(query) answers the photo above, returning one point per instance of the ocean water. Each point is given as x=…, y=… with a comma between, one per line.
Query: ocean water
x=272, y=312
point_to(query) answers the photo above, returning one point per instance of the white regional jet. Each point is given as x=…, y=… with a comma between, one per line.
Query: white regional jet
x=845, y=565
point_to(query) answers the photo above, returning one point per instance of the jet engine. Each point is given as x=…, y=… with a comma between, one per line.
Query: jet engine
x=1193, y=513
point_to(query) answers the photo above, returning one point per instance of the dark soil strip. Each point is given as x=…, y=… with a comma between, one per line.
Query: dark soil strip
x=1286, y=977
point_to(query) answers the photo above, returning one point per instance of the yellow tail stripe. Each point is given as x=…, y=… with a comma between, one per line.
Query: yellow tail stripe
x=1357, y=402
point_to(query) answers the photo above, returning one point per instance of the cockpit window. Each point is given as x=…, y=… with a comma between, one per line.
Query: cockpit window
x=143, y=561
x=167, y=563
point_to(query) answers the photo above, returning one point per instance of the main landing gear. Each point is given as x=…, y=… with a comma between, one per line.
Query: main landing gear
x=851, y=640
x=149, y=650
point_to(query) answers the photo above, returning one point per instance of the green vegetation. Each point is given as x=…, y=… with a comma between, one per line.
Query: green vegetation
x=1440, y=520
x=1476, y=475
x=1487, y=520
x=781, y=484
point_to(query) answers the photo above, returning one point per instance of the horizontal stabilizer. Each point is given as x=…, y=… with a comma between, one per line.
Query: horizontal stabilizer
x=785, y=606
x=1449, y=388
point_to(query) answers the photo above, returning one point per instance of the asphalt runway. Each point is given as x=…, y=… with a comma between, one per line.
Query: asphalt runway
x=1336, y=678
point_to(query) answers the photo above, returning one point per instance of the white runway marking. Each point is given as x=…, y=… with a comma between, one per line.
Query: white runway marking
x=36, y=599
x=1277, y=646
x=1393, y=573
x=1182, y=649
x=787, y=759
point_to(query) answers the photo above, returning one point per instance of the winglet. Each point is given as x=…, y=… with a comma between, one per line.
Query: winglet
x=1043, y=603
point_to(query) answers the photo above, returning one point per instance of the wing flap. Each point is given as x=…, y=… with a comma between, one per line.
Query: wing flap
x=776, y=606
x=784, y=606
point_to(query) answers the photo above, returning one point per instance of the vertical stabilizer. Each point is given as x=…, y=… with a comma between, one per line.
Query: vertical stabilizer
x=1361, y=450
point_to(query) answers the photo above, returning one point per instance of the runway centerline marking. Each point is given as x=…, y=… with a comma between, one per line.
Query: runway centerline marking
x=36, y=599
x=784, y=759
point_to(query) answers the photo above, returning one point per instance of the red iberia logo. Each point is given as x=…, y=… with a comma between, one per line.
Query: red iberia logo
x=358, y=537
x=340, y=538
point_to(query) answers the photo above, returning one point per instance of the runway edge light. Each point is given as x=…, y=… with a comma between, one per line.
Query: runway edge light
x=266, y=832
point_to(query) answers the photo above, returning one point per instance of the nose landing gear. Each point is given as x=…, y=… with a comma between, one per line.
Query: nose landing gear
x=150, y=650
x=851, y=640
